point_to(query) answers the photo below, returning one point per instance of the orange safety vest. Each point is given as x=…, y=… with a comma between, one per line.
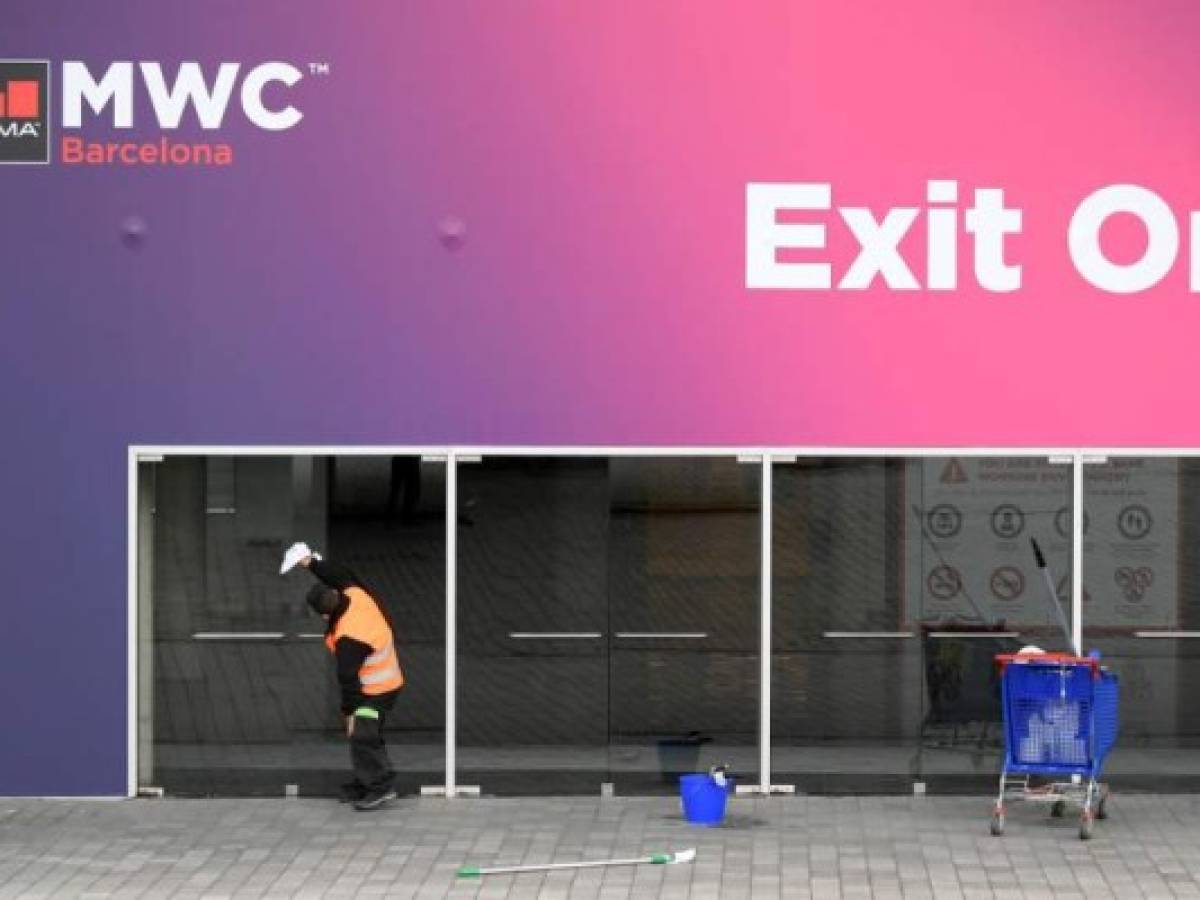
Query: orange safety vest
x=363, y=621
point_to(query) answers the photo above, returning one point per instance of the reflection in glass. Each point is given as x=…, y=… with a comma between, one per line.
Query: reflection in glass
x=846, y=674
x=895, y=583
x=607, y=621
x=1140, y=611
x=684, y=583
x=532, y=625
x=244, y=698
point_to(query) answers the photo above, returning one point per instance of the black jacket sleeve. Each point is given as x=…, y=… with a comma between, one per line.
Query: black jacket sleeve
x=333, y=575
x=340, y=577
x=350, y=655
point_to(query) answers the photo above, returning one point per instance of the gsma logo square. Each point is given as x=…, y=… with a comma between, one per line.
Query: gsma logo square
x=24, y=111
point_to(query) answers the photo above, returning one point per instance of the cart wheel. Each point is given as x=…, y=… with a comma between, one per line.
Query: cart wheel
x=1101, y=808
x=997, y=824
x=1086, y=826
x=1058, y=808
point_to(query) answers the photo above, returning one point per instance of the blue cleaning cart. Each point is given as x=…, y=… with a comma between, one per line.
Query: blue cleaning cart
x=1060, y=719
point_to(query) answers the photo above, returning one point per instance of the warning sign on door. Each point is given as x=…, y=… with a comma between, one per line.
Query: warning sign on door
x=974, y=517
x=954, y=473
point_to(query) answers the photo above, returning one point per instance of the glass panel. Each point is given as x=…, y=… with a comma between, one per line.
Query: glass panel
x=532, y=625
x=243, y=690
x=1140, y=611
x=977, y=590
x=895, y=583
x=387, y=524
x=219, y=608
x=606, y=602
x=846, y=660
x=684, y=557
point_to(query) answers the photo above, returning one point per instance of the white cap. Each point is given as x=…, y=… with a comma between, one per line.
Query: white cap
x=294, y=555
x=1030, y=651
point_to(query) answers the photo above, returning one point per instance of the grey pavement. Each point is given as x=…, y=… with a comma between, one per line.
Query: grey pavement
x=882, y=847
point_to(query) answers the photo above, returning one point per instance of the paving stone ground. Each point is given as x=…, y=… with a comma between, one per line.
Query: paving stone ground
x=818, y=847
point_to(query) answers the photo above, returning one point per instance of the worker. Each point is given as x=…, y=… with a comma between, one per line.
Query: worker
x=359, y=634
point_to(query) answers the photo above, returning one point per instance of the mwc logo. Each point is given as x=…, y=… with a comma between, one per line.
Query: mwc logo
x=178, y=97
x=24, y=119
x=208, y=98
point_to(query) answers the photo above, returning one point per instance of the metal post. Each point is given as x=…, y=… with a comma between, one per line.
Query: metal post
x=1077, y=553
x=451, y=617
x=131, y=624
x=764, y=671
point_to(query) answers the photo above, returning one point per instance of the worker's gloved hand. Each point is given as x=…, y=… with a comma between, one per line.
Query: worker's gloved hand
x=297, y=553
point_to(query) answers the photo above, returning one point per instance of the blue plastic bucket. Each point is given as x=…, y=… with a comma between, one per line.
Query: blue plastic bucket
x=704, y=799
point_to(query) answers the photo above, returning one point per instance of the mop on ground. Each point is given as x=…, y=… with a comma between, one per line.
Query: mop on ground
x=655, y=859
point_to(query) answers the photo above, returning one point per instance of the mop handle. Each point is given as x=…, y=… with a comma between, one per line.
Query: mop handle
x=472, y=871
x=1052, y=590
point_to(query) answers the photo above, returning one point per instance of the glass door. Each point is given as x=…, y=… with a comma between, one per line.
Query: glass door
x=607, y=621
x=846, y=655
x=988, y=570
x=387, y=524
x=895, y=583
x=237, y=693
x=532, y=581
x=684, y=562
x=227, y=682
x=1140, y=610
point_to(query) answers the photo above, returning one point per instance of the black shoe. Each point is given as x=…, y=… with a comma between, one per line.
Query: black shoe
x=375, y=799
x=351, y=792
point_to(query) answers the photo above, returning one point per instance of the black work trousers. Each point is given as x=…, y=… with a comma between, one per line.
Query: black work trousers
x=368, y=752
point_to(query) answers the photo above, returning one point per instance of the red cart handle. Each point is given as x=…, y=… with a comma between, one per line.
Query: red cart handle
x=1049, y=659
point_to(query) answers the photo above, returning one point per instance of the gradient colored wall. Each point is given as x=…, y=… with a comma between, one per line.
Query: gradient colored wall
x=597, y=154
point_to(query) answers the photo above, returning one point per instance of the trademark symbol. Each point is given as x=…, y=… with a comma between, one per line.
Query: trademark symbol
x=318, y=68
